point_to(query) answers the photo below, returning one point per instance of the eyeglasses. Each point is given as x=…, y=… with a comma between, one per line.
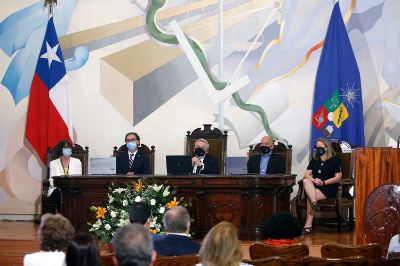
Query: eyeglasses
x=130, y=140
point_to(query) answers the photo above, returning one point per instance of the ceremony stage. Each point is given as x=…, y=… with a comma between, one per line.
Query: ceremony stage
x=19, y=238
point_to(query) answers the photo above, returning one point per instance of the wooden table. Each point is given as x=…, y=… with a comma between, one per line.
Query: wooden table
x=245, y=200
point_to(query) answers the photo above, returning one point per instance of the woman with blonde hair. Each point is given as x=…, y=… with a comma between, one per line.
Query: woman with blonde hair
x=221, y=247
x=320, y=180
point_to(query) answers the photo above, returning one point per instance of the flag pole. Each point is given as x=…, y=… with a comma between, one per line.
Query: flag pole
x=221, y=61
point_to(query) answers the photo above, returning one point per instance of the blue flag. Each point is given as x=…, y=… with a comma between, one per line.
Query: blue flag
x=338, y=108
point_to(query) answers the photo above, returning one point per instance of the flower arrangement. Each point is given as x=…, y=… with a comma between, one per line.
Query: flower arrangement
x=115, y=214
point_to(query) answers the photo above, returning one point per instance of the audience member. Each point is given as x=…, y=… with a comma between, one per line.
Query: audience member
x=394, y=245
x=202, y=162
x=140, y=212
x=281, y=229
x=63, y=165
x=267, y=162
x=83, y=251
x=54, y=233
x=133, y=246
x=320, y=180
x=132, y=162
x=176, y=242
x=221, y=247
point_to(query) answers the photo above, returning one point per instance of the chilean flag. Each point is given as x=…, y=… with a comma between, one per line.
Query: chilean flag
x=49, y=118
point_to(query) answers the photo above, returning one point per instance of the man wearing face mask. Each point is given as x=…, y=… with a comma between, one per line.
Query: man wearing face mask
x=202, y=162
x=132, y=162
x=64, y=165
x=267, y=162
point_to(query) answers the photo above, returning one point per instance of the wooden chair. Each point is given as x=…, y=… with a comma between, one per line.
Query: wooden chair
x=215, y=138
x=186, y=260
x=143, y=149
x=339, y=203
x=291, y=252
x=271, y=261
x=354, y=260
x=78, y=152
x=372, y=252
x=107, y=259
x=279, y=148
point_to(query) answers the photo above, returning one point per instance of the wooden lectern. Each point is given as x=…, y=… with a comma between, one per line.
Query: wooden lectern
x=373, y=167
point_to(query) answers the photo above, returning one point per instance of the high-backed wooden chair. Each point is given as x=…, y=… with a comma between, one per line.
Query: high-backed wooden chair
x=77, y=152
x=215, y=138
x=186, y=260
x=372, y=252
x=271, y=261
x=354, y=260
x=143, y=149
x=343, y=199
x=290, y=252
x=280, y=148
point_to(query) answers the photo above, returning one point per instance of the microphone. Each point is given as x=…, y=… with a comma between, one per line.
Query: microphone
x=398, y=141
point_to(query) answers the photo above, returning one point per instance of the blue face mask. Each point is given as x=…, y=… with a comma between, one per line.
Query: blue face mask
x=131, y=146
x=67, y=152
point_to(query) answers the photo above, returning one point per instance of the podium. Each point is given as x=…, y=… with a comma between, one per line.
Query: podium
x=374, y=167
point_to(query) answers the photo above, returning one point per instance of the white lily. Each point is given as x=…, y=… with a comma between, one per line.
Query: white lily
x=166, y=192
x=152, y=202
x=138, y=199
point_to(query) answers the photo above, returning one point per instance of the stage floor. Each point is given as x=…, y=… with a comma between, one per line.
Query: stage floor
x=19, y=238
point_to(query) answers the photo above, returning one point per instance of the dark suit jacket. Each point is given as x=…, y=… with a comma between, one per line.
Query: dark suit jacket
x=176, y=245
x=276, y=164
x=210, y=165
x=141, y=163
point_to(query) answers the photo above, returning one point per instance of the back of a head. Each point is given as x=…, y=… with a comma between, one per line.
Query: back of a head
x=55, y=232
x=133, y=246
x=221, y=246
x=83, y=251
x=176, y=220
x=139, y=212
x=281, y=226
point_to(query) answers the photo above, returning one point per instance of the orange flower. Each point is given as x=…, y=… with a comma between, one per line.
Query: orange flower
x=100, y=212
x=139, y=186
x=153, y=231
x=172, y=203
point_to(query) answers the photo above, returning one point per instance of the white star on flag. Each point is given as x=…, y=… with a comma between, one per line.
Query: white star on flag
x=51, y=54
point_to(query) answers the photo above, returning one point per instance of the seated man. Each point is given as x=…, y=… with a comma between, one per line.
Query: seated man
x=201, y=161
x=176, y=242
x=140, y=212
x=133, y=246
x=132, y=162
x=267, y=162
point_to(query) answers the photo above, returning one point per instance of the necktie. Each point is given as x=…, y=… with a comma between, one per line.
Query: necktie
x=131, y=161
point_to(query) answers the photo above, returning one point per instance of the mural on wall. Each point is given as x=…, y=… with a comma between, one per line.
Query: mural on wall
x=128, y=73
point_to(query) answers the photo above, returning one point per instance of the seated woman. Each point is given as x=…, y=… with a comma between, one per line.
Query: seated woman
x=394, y=245
x=55, y=231
x=83, y=251
x=64, y=165
x=281, y=229
x=221, y=247
x=320, y=180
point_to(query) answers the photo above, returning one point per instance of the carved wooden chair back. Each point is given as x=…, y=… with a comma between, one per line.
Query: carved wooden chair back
x=143, y=149
x=371, y=251
x=343, y=198
x=354, y=260
x=271, y=261
x=186, y=260
x=217, y=140
x=280, y=148
x=290, y=252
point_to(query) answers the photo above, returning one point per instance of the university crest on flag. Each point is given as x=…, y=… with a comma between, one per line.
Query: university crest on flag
x=337, y=109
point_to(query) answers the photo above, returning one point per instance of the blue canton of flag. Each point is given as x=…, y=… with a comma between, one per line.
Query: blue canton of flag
x=338, y=108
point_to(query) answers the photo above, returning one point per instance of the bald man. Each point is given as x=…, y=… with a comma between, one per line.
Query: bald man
x=267, y=162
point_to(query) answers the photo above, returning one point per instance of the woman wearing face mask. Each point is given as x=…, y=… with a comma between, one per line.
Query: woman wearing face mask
x=64, y=165
x=320, y=180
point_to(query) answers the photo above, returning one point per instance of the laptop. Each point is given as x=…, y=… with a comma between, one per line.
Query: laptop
x=236, y=165
x=102, y=166
x=179, y=165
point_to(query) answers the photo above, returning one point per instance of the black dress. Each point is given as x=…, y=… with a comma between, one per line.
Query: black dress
x=325, y=170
